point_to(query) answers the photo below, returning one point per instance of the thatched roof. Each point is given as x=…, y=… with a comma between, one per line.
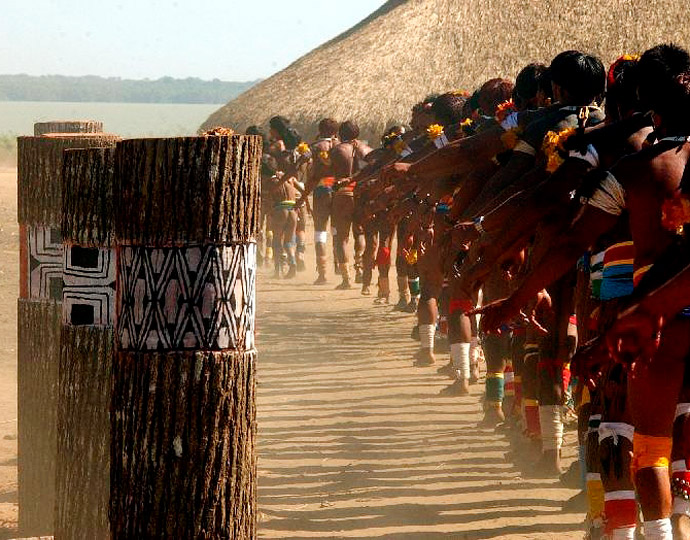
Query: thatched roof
x=376, y=71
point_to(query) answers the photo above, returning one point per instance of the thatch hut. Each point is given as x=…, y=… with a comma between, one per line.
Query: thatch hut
x=407, y=49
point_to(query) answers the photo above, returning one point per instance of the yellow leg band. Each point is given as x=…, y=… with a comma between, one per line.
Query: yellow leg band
x=650, y=452
x=595, y=496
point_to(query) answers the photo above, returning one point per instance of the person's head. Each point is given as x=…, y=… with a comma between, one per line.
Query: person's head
x=291, y=139
x=448, y=108
x=278, y=127
x=392, y=135
x=664, y=86
x=621, y=89
x=471, y=105
x=492, y=93
x=254, y=130
x=577, y=78
x=421, y=114
x=529, y=88
x=269, y=166
x=348, y=131
x=328, y=128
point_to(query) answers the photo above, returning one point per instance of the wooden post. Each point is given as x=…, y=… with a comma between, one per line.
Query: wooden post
x=39, y=319
x=67, y=126
x=183, y=410
x=85, y=373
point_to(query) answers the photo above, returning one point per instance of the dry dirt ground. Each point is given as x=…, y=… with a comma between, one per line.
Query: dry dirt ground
x=354, y=442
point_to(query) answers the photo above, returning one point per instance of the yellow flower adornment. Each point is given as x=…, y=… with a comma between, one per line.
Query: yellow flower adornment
x=504, y=109
x=434, y=131
x=553, y=148
x=303, y=149
x=632, y=57
x=411, y=256
x=325, y=157
x=675, y=213
x=467, y=122
x=399, y=146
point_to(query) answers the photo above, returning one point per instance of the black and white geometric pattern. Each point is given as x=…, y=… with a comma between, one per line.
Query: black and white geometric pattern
x=186, y=298
x=88, y=294
x=45, y=263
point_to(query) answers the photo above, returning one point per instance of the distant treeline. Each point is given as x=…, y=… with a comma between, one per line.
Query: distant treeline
x=116, y=90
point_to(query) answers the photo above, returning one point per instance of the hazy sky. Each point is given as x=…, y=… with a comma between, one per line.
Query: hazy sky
x=224, y=39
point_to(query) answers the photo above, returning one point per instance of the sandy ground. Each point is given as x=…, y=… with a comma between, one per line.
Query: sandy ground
x=354, y=442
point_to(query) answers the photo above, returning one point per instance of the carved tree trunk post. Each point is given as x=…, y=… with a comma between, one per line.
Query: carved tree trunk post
x=85, y=373
x=39, y=319
x=183, y=412
x=67, y=126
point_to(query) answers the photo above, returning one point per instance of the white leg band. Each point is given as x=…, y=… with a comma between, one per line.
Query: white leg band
x=623, y=534
x=682, y=409
x=460, y=358
x=551, y=427
x=681, y=507
x=427, y=333
x=659, y=529
x=320, y=237
x=679, y=466
x=616, y=430
x=619, y=495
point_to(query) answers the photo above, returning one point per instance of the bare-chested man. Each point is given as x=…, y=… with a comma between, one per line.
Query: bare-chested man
x=642, y=184
x=347, y=158
x=320, y=183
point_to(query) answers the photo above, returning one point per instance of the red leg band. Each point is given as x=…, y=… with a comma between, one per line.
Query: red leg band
x=620, y=514
x=462, y=306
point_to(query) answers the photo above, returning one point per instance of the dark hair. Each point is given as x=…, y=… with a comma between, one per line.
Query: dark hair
x=280, y=124
x=621, y=91
x=425, y=105
x=447, y=108
x=528, y=84
x=269, y=166
x=254, y=130
x=391, y=135
x=291, y=139
x=664, y=84
x=583, y=77
x=328, y=127
x=348, y=131
x=492, y=93
x=472, y=104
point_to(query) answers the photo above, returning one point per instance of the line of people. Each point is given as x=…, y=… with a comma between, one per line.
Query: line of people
x=556, y=208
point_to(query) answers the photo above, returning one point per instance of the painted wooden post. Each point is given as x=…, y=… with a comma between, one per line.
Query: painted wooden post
x=85, y=372
x=183, y=413
x=39, y=319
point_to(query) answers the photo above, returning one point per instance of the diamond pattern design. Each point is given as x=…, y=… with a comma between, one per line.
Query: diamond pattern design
x=186, y=298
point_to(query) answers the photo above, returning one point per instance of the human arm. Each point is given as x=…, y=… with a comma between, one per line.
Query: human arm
x=589, y=226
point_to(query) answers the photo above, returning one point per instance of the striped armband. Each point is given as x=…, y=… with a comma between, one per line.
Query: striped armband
x=591, y=156
x=525, y=148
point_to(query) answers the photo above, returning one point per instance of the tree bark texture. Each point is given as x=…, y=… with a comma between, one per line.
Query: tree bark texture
x=37, y=370
x=41, y=291
x=67, y=126
x=183, y=455
x=39, y=168
x=83, y=437
x=85, y=374
x=183, y=408
x=188, y=190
